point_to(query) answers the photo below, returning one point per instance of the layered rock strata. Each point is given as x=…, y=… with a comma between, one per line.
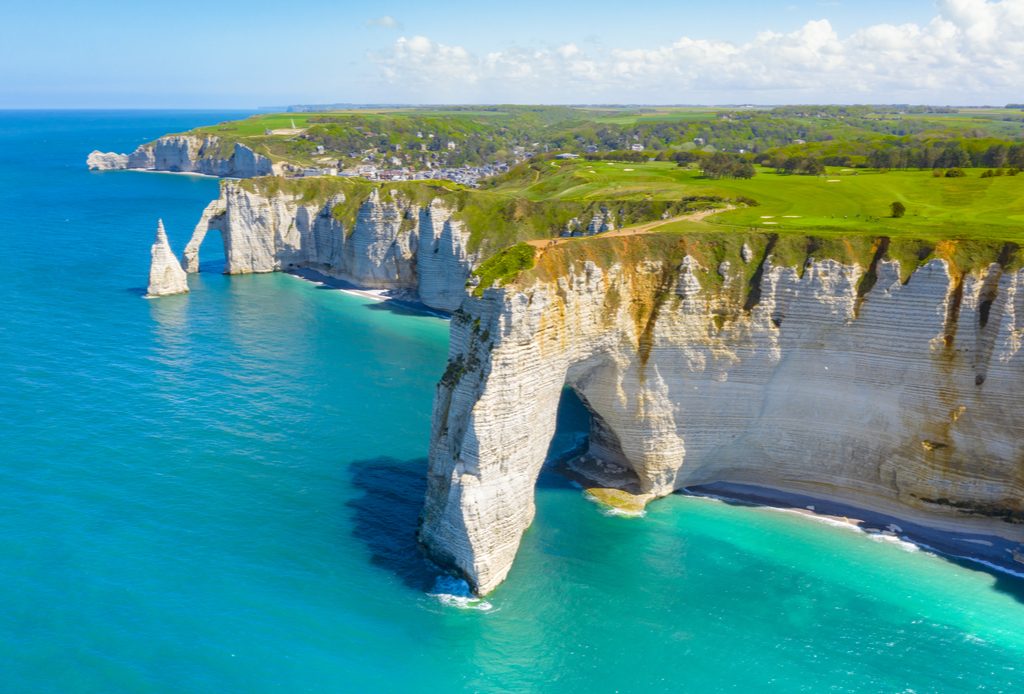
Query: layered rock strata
x=166, y=275
x=830, y=379
x=389, y=243
x=188, y=154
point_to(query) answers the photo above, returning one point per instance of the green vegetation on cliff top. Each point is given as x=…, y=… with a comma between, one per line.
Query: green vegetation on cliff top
x=495, y=219
x=842, y=201
x=477, y=135
x=504, y=266
x=843, y=214
x=969, y=221
x=536, y=200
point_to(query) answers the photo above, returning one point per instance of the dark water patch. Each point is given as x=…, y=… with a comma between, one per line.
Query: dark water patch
x=402, y=307
x=386, y=516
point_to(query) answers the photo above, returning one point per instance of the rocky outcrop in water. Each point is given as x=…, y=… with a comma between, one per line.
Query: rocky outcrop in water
x=166, y=275
x=106, y=161
x=830, y=379
x=188, y=154
x=390, y=242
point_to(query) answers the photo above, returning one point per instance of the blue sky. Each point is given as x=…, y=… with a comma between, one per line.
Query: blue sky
x=111, y=53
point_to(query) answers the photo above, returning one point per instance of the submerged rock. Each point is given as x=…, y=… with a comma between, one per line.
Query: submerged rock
x=166, y=275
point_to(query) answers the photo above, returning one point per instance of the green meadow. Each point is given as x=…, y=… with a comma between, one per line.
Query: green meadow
x=255, y=126
x=839, y=202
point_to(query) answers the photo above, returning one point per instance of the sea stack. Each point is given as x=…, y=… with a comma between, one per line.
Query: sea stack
x=166, y=275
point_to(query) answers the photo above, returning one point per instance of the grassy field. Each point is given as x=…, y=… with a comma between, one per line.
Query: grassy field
x=842, y=201
x=657, y=115
x=418, y=138
x=254, y=126
x=845, y=213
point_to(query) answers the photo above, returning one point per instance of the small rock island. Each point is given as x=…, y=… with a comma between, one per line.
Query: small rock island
x=166, y=276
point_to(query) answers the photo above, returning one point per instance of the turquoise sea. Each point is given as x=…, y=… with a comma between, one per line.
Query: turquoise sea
x=219, y=493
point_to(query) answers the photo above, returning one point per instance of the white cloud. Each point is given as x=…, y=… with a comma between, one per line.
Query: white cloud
x=418, y=60
x=971, y=51
x=387, y=22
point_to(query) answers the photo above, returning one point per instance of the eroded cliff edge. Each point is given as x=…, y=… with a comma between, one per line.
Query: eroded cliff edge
x=888, y=377
x=424, y=238
x=350, y=232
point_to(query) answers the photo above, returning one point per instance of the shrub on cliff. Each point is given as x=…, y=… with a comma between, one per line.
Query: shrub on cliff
x=503, y=266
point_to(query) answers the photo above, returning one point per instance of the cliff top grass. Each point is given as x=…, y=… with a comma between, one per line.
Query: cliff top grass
x=843, y=214
x=495, y=220
x=420, y=137
x=504, y=266
x=711, y=246
x=840, y=202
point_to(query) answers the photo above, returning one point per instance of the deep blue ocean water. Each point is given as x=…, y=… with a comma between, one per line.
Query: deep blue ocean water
x=219, y=493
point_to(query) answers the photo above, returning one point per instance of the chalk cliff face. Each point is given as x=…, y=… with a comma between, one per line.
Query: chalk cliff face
x=165, y=273
x=901, y=397
x=390, y=243
x=189, y=154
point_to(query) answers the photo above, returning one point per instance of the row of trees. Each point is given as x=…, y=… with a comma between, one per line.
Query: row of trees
x=722, y=165
x=945, y=155
x=796, y=165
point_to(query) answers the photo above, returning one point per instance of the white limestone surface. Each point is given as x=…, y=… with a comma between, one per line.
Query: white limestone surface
x=393, y=243
x=166, y=275
x=904, y=400
x=188, y=154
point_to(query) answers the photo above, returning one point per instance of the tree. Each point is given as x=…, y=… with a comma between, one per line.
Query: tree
x=898, y=209
x=722, y=165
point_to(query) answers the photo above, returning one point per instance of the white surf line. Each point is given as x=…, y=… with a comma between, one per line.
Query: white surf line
x=876, y=535
x=454, y=592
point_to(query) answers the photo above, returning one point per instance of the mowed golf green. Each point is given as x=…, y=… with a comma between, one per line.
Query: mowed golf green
x=841, y=201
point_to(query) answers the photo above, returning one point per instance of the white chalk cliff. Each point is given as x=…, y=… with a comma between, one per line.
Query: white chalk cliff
x=391, y=243
x=166, y=275
x=898, y=397
x=187, y=154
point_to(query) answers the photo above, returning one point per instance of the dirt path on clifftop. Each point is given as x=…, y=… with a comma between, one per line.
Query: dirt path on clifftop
x=636, y=229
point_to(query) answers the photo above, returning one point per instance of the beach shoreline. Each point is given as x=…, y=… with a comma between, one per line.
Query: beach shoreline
x=160, y=171
x=396, y=297
x=979, y=546
x=985, y=550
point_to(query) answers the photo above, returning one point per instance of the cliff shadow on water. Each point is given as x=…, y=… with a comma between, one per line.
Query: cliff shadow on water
x=391, y=491
x=386, y=515
x=1014, y=587
x=396, y=305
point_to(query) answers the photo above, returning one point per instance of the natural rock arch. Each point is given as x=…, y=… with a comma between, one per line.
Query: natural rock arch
x=815, y=388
